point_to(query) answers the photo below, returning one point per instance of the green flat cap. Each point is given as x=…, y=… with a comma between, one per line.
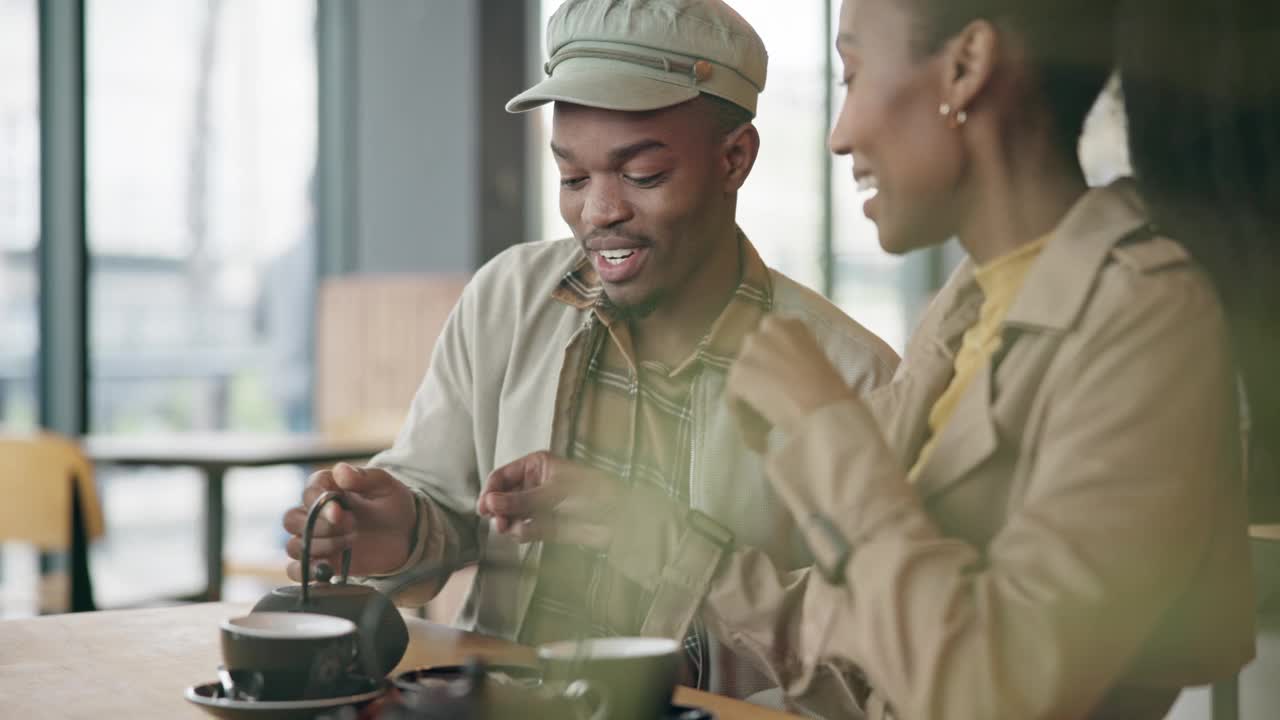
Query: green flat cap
x=638, y=55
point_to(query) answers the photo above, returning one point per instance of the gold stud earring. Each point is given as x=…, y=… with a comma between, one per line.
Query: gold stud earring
x=955, y=120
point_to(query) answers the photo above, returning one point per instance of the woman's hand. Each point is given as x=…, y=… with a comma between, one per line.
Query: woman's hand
x=780, y=377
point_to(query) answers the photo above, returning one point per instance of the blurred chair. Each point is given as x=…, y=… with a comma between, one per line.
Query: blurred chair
x=50, y=501
x=374, y=337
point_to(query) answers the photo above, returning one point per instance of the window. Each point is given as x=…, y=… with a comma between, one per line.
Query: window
x=201, y=120
x=552, y=226
x=781, y=208
x=19, y=211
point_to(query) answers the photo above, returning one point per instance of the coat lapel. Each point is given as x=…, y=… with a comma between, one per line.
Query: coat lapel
x=1055, y=292
x=966, y=441
x=902, y=407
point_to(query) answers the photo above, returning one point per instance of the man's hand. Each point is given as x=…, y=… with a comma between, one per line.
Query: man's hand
x=780, y=377
x=543, y=497
x=377, y=525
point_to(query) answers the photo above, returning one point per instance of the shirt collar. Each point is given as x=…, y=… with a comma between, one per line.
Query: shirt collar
x=1007, y=271
x=751, y=300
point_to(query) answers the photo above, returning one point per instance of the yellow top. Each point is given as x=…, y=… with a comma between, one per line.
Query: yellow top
x=1000, y=280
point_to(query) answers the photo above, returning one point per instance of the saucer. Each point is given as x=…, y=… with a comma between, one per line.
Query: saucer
x=210, y=699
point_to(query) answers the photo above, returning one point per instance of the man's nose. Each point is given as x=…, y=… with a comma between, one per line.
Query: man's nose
x=605, y=206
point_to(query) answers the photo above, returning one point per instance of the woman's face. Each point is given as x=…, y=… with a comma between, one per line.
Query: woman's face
x=890, y=124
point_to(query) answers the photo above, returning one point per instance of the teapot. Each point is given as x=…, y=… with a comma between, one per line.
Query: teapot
x=382, y=633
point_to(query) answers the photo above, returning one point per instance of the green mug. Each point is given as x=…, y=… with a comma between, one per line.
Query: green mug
x=621, y=678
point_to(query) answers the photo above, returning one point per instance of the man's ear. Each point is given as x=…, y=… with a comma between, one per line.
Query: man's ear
x=738, y=154
x=969, y=61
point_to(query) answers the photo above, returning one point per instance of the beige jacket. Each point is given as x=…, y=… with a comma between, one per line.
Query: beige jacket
x=502, y=384
x=1075, y=546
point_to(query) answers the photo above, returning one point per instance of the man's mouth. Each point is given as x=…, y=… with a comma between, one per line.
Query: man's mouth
x=619, y=265
x=617, y=257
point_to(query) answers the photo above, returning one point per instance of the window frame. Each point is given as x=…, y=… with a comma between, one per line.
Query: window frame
x=62, y=385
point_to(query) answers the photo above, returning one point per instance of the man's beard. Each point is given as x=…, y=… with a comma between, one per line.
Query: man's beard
x=646, y=306
x=637, y=310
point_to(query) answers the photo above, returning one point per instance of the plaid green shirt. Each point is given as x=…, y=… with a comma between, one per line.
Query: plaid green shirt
x=634, y=422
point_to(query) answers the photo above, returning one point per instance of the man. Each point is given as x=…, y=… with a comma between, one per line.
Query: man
x=604, y=354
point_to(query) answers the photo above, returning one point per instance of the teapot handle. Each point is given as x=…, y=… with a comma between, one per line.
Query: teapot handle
x=312, y=515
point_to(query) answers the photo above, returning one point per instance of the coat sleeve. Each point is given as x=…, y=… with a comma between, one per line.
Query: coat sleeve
x=435, y=454
x=1138, y=449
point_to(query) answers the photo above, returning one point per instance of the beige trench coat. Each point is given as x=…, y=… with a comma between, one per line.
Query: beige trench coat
x=1075, y=546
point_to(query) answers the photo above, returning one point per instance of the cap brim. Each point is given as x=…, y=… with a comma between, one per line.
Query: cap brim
x=607, y=91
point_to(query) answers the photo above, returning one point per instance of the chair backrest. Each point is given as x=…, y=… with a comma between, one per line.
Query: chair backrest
x=374, y=337
x=36, y=484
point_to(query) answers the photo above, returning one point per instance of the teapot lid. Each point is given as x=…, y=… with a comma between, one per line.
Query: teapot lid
x=325, y=590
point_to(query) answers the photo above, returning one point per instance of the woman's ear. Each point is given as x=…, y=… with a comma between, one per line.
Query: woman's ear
x=969, y=61
x=738, y=155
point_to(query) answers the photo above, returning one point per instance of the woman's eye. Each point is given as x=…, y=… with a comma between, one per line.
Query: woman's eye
x=646, y=180
x=572, y=183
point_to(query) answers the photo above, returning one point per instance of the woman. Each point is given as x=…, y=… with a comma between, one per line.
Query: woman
x=1043, y=516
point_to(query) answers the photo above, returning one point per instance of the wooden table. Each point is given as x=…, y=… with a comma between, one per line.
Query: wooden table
x=214, y=454
x=137, y=663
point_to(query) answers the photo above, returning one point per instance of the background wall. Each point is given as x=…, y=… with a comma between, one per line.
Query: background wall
x=435, y=179
x=416, y=199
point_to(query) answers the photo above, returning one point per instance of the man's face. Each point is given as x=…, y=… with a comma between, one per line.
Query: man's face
x=643, y=193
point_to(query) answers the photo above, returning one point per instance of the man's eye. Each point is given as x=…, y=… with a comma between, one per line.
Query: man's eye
x=645, y=181
x=572, y=183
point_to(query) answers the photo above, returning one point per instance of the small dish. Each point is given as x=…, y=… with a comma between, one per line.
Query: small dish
x=519, y=675
x=522, y=676
x=210, y=698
